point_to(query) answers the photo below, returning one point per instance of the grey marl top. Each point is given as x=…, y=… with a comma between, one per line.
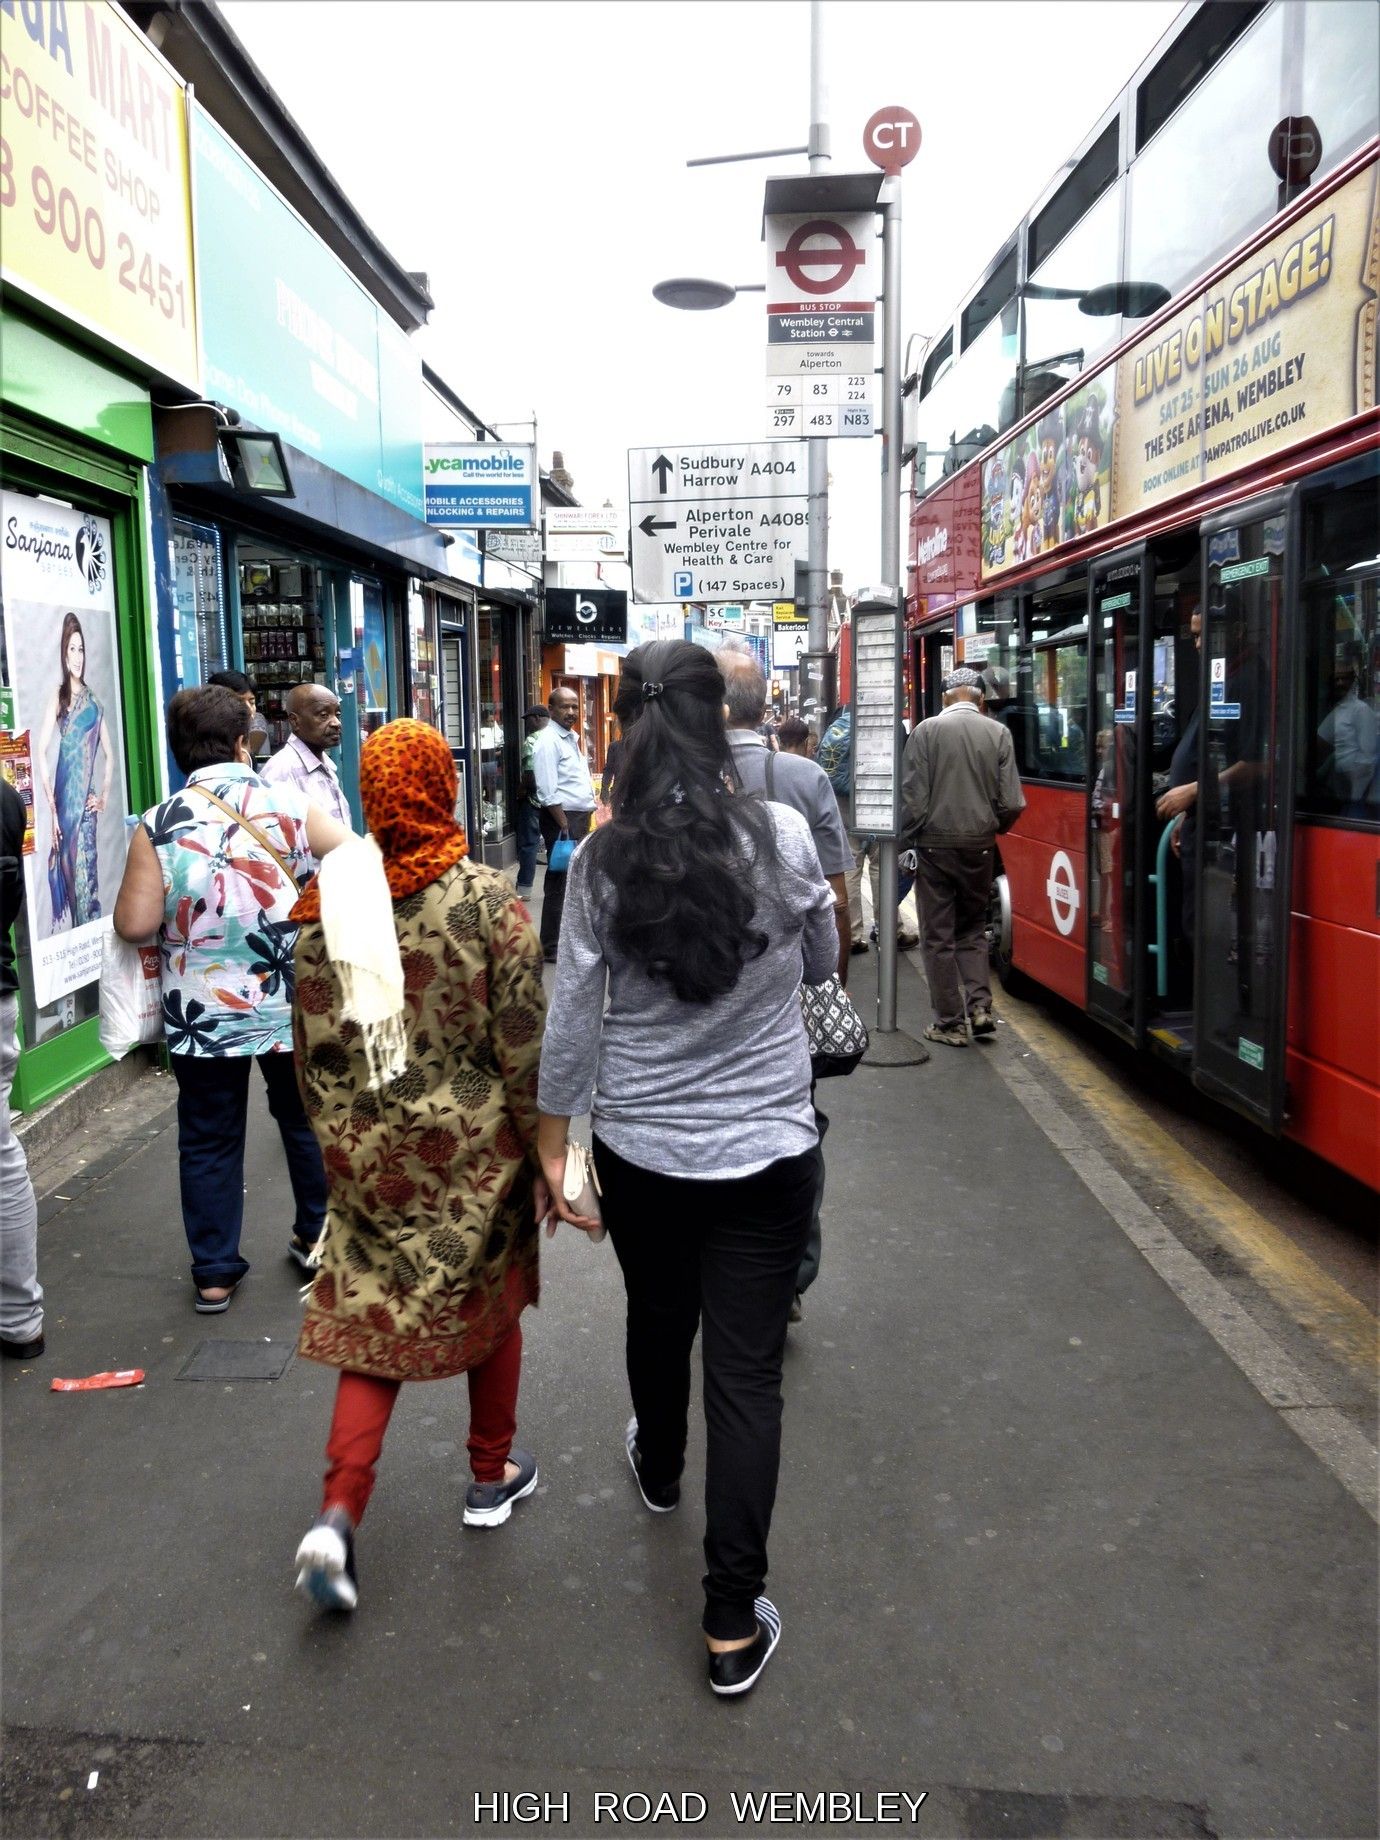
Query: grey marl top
x=712, y=1090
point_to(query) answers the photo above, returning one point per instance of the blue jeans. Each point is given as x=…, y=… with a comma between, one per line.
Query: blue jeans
x=21, y=1294
x=212, y=1110
x=528, y=842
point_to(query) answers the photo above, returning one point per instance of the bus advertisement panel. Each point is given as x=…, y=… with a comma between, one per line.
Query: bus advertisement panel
x=1278, y=350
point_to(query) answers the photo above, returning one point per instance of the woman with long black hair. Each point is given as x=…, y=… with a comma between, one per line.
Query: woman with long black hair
x=695, y=912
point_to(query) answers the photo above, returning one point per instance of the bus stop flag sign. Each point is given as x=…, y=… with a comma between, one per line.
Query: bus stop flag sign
x=891, y=138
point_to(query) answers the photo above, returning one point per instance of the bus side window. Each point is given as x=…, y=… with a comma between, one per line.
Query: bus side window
x=1051, y=721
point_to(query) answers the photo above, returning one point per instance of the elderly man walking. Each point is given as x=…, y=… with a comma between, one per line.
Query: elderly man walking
x=959, y=791
x=313, y=714
x=565, y=793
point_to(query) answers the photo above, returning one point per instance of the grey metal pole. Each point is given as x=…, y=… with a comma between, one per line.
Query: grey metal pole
x=889, y=880
x=817, y=458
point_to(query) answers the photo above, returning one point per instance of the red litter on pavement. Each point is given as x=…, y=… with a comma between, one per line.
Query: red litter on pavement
x=96, y=1383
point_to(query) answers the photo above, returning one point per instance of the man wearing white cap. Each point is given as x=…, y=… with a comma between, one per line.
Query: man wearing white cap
x=959, y=791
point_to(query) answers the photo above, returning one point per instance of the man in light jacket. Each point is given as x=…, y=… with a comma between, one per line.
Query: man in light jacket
x=565, y=793
x=959, y=791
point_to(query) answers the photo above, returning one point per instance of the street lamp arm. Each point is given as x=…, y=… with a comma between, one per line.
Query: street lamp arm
x=728, y=159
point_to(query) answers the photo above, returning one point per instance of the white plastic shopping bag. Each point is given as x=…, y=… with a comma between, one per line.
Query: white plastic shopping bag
x=131, y=995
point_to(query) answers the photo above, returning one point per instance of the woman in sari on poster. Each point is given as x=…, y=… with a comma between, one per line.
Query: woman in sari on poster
x=76, y=804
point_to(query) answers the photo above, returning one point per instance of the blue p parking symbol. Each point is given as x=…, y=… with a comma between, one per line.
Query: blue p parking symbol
x=682, y=584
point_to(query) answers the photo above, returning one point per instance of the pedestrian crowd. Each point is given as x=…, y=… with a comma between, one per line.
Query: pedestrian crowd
x=390, y=990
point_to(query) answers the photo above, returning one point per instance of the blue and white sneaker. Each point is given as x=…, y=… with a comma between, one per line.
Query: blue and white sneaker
x=739, y=1669
x=326, y=1563
x=488, y=1504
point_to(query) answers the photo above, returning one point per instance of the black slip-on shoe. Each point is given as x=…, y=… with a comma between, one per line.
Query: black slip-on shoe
x=738, y=1670
x=488, y=1504
x=660, y=1501
x=326, y=1563
x=21, y=1351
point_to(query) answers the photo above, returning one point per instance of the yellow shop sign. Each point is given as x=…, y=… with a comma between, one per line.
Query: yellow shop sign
x=95, y=200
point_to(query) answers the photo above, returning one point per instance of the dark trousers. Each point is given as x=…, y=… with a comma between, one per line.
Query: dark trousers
x=212, y=1110
x=528, y=837
x=952, y=890
x=553, y=889
x=725, y=1254
x=814, y=1244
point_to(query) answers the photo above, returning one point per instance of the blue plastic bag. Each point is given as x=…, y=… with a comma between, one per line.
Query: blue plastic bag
x=559, y=855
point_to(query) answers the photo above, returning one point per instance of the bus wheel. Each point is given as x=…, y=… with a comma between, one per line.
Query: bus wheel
x=999, y=935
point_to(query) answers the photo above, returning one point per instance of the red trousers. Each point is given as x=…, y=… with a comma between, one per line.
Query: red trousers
x=364, y=1405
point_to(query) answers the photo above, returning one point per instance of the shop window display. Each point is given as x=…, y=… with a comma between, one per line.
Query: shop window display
x=284, y=636
x=63, y=749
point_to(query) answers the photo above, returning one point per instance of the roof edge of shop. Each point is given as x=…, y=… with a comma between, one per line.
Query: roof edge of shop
x=198, y=42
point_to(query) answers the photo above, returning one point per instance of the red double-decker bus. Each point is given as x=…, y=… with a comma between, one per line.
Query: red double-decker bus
x=1168, y=570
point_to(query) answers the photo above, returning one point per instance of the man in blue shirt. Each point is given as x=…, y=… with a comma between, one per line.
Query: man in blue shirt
x=565, y=793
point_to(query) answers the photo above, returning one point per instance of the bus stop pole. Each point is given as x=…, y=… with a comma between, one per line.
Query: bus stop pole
x=887, y=920
x=890, y=1046
x=813, y=675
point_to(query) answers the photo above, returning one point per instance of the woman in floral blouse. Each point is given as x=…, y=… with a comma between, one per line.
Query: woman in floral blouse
x=214, y=871
x=430, y=1255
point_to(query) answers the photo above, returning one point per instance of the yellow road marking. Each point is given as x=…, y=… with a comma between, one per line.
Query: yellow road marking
x=1311, y=1298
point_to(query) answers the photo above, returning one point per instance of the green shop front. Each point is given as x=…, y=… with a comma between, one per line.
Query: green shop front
x=99, y=307
x=306, y=569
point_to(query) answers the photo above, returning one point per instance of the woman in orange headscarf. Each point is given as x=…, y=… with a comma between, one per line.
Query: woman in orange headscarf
x=418, y=1022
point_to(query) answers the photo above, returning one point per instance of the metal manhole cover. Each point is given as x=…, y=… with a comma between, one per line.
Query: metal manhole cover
x=217, y=1360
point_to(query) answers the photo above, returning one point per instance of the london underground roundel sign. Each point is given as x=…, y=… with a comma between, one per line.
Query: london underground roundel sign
x=891, y=138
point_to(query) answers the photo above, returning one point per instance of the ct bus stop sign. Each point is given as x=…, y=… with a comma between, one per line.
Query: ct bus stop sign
x=891, y=138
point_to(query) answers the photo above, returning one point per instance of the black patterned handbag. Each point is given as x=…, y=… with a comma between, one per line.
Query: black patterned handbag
x=836, y=1032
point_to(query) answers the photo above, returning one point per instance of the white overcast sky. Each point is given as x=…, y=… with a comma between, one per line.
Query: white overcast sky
x=530, y=157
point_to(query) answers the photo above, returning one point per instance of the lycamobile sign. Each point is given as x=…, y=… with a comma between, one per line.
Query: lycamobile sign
x=479, y=485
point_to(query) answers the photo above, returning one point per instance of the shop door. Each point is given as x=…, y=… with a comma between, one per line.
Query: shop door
x=1118, y=792
x=1246, y=806
x=455, y=708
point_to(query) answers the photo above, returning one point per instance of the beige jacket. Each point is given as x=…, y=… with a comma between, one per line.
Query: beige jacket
x=959, y=785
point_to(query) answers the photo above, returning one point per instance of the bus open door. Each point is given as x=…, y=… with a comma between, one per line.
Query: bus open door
x=1142, y=680
x=1243, y=855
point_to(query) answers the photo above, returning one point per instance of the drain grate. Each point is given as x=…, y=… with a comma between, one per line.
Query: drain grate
x=216, y=1360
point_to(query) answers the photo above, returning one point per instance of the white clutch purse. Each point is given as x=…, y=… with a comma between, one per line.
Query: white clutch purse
x=580, y=1188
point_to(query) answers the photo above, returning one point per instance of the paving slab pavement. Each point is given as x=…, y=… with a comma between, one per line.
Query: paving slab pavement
x=1042, y=1552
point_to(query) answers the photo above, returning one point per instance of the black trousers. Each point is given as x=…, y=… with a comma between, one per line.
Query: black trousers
x=553, y=889
x=726, y=1254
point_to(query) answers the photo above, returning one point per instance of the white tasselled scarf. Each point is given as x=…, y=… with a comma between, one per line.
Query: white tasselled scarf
x=362, y=943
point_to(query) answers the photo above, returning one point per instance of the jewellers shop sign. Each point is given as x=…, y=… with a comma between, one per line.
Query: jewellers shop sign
x=580, y=616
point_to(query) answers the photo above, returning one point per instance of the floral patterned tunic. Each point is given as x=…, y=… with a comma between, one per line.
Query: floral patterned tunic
x=226, y=940
x=431, y=1248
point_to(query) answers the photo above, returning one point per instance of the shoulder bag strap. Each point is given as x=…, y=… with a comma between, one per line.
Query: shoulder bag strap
x=771, y=775
x=249, y=825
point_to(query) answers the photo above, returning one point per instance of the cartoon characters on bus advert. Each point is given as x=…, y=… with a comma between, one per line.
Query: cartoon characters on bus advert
x=1052, y=484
